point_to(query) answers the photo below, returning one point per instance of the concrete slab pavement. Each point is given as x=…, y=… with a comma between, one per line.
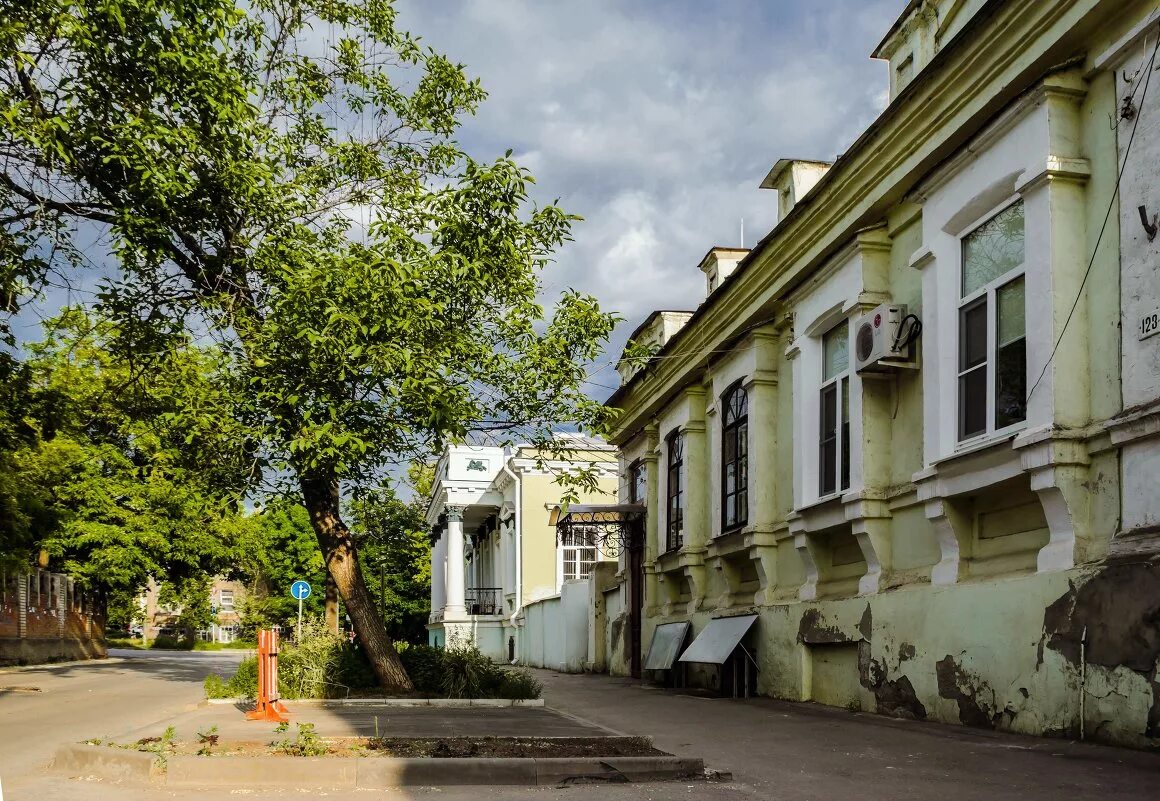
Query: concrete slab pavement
x=782, y=751
x=365, y=720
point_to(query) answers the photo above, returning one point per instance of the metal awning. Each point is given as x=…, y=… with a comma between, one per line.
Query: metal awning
x=667, y=641
x=613, y=528
x=717, y=641
x=596, y=513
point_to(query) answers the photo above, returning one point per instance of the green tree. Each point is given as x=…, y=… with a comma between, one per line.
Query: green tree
x=123, y=492
x=396, y=547
x=278, y=549
x=225, y=149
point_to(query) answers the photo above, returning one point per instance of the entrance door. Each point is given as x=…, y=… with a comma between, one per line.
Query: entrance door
x=635, y=599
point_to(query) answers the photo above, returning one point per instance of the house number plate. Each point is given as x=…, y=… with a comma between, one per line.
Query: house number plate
x=1149, y=324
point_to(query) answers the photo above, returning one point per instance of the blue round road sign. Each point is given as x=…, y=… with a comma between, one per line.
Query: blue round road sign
x=300, y=590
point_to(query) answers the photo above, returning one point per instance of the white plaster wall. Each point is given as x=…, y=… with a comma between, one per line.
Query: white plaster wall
x=555, y=630
x=969, y=190
x=817, y=310
x=1139, y=258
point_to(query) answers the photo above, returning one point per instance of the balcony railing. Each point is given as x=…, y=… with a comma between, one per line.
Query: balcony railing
x=484, y=600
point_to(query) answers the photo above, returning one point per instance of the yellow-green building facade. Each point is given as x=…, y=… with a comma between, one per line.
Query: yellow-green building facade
x=914, y=429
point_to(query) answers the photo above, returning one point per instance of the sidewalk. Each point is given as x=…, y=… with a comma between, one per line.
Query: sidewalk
x=794, y=751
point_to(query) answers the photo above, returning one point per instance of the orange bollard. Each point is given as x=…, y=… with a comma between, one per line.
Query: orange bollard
x=269, y=707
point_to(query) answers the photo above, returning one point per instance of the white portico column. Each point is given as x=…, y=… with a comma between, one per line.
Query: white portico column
x=438, y=581
x=454, y=601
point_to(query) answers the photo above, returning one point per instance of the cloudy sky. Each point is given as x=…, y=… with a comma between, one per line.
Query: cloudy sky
x=656, y=120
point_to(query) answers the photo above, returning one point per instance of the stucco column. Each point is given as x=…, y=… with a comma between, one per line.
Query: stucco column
x=454, y=605
x=652, y=517
x=697, y=524
x=762, y=391
x=438, y=580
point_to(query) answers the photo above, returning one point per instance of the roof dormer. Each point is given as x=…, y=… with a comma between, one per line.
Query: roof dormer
x=792, y=178
x=718, y=264
x=918, y=34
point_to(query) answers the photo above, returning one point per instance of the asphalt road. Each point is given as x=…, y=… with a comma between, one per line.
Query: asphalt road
x=774, y=750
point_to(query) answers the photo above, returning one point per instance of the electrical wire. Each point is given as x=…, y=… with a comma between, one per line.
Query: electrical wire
x=1104, y=226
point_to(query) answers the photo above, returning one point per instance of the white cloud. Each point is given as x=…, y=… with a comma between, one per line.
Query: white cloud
x=656, y=121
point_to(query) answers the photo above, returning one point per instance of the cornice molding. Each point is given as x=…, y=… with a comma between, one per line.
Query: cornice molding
x=953, y=97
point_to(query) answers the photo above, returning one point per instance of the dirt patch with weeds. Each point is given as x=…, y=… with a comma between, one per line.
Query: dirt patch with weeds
x=440, y=747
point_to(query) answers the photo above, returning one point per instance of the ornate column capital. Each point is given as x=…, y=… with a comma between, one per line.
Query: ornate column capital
x=454, y=513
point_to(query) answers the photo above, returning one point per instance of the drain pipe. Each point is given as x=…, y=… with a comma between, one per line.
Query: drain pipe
x=518, y=521
x=1082, y=679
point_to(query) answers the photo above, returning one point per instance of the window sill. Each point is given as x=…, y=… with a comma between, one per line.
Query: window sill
x=823, y=500
x=983, y=443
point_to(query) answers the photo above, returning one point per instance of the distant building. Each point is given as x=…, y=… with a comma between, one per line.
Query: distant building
x=494, y=550
x=225, y=598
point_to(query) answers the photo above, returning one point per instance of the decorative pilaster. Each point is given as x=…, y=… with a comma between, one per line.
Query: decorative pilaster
x=652, y=518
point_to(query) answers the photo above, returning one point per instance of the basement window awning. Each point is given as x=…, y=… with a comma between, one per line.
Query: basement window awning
x=667, y=641
x=717, y=641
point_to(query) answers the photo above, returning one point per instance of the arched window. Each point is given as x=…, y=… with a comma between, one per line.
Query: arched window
x=735, y=458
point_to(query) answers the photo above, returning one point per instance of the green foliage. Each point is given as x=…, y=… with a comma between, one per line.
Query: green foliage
x=278, y=547
x=161, y=747
x=424, y=666
x=463, y=672
x=121, y=496
x=224, y=166
x=396, y=553
x=166, y=642
x=207, y=740
x=456, y=673
x=519, y=685
x=467, y=673
x=306, y=741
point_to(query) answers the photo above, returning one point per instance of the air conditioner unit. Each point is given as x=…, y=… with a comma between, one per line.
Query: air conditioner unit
x=878, y=347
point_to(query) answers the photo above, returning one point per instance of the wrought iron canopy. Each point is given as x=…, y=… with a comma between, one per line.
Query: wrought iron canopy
x=612, y=528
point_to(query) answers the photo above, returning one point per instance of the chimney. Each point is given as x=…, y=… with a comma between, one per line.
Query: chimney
x=793, y=178
x=718, y=264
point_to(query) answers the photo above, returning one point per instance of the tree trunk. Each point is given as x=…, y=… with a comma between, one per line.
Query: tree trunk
x=330, y=610
x=322, y=502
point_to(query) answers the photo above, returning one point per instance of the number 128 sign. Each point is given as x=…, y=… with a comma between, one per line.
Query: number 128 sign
x=1149, y=325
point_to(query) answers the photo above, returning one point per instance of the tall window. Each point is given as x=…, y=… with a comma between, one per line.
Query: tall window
x=676, y=495
x=578, y=554
x=993, y=327
x=735, y=458
x=638, y=483
x=834, y=450
x=227, y=600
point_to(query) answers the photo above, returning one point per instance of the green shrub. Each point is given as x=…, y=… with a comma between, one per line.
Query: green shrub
x=467, y=673
x=423, y=664
x=167, y=642
x=519, y=685
x=215, y=687
x=244, y=682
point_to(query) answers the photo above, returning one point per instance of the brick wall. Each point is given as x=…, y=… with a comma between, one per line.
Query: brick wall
x=47, y=617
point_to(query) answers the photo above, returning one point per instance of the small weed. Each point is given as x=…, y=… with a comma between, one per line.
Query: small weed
x=161, y=747
x=208, y=740
x=306, y=741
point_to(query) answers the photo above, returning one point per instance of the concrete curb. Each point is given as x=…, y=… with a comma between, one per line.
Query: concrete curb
x=371, y=773
x=105, y=762
x=446, y=703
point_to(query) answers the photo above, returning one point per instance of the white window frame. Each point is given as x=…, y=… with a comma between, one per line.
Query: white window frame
x=222, y=601
x=987, y=291
x=562, y=552
x=837, y=381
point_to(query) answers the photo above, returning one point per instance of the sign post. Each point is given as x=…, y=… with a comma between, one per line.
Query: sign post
x=300, y=590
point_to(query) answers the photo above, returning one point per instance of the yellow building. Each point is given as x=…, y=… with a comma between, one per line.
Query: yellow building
x=907, y=444
x=494, y=551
